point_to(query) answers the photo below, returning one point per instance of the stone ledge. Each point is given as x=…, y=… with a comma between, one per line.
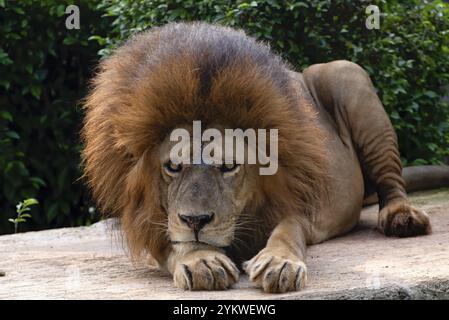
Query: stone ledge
x=89, y=263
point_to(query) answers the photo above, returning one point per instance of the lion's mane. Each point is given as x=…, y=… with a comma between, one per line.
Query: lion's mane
x=178, y=73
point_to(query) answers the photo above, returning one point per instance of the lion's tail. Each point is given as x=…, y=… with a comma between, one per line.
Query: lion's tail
x=426, y=177
x=420, y=178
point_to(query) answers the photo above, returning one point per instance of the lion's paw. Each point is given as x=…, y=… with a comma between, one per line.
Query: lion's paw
x=402, y=220
x=276, y=274
x=204, y=270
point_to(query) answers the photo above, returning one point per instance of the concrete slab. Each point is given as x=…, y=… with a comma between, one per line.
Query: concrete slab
x=90, y=263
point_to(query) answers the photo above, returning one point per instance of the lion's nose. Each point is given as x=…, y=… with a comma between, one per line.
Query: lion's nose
x=196, y=221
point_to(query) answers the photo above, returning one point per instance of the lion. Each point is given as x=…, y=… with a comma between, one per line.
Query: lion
x=204, y=224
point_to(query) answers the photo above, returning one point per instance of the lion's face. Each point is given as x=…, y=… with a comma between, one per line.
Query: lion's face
x=204, y=203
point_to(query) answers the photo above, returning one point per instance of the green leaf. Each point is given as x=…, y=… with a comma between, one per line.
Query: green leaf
x=6, y=115
x=52, y=212
x=22, y=210
x=430, y=94
x=395, y=115
x=4, y=58
x=18, y=10
x=417, y=162
x=36, y=91
x=5, y=83
x=38, y=182
x=60, y=10
x=12, y=135
x=30, y=202
x=100, y=40
x=70, y=40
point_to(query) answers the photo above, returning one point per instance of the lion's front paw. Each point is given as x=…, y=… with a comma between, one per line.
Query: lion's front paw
x=402, y=220
x=276, y=274
x=205, y=270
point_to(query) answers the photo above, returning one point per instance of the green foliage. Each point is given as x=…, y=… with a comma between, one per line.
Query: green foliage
x=407, y=58
x=44, y=70
x=43, y=73
x=22, y=208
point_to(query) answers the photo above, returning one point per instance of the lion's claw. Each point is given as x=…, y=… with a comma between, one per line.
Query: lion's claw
x=203, y=270
x=276, y=274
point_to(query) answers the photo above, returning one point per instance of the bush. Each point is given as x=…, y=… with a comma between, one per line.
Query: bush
x=408, y=58
x=43, y=72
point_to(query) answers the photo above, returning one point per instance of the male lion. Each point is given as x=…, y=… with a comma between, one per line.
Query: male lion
x=335, y=145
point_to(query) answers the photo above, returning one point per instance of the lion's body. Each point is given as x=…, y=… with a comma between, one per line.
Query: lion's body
x=346, y=188
x=335, y=140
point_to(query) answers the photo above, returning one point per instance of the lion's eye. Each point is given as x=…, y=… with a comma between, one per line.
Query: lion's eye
x=227, y=167
x=173, y=167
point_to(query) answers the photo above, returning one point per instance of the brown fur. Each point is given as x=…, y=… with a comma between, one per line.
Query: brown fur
x=173, y=75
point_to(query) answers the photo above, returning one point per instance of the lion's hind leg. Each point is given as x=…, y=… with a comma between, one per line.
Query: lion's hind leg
x=345, y=90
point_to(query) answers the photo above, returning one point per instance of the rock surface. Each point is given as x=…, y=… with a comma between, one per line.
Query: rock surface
x=90, y=263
